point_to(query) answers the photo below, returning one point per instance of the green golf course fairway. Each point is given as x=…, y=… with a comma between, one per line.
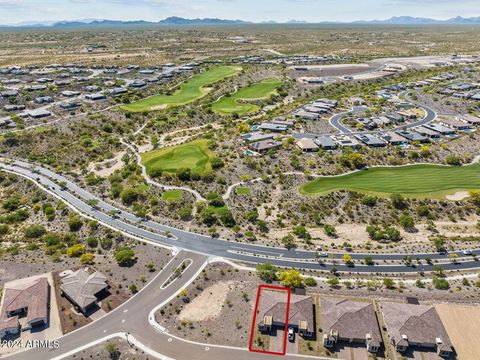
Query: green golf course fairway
x=416, y=181
x=194, y=155
x=230, y=104
x=188, y=92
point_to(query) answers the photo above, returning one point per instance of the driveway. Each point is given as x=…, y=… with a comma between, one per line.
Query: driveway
x=276, y=341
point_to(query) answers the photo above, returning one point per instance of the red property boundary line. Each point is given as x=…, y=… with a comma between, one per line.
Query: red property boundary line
x=254, y=323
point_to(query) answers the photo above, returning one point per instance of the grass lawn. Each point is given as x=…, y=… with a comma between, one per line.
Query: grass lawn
x=194, y=155
x=417, y=181
x=172, y=195
x=143, y=187
x=188, y=92
x=231, y=104
x=243, y=191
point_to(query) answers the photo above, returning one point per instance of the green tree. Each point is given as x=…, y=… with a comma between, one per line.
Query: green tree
x=267, y=272
x=310, y=281
x=125, y=256
x=291, y=278
x=288, y=241
x=35, y=231
x=389, y=283
x=440, y=283
x=75, y=223
x=75, y=250
x=333, y=281
x=407, y=222
x=129, y=195
x=87, y=258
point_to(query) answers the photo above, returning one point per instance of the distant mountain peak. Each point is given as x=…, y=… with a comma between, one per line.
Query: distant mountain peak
x=180, y=21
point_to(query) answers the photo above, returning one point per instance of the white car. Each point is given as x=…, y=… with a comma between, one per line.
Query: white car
x=322, y=254
x=467, y=252
x=291, y=334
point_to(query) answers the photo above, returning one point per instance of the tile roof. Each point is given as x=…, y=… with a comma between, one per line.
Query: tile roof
x=273, y=303
x=81, y=286
x=419, y=323
x=33, y=296
x=350, y=319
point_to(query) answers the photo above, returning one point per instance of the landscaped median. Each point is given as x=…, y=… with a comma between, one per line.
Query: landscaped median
x=416, y=181
x=188, y=92
x=237, y=102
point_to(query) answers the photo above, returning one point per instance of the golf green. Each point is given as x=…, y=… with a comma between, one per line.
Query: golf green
x=172, y=195
x=417, y=181
x=194, y=155
x=235, y=102
x=188, y=92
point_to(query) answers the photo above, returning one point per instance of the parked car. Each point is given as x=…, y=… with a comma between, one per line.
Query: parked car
x=291, y=334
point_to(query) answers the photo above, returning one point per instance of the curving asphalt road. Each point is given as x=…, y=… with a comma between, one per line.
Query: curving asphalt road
x=130, y=224
x=336, y=120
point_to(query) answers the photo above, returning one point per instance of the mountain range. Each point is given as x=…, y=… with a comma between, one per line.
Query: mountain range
x=179, y=21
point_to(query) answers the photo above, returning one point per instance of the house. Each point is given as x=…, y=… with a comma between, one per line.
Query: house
x=138, y=84
x=288, y=124
x=307, y=145
x=256, y=136
x=350, y=321
x=117, y=91
x=70, y=105
x=70, y=93
x=429, y=133
x=313, y=80
x=408, y=114
x=44, y=80
x=370, y=140
x=473, y=120
x=91, y=88
x=264, y=145
x=325, y=142
x=35, y=87
x=441, y=129
x=415, y=325
x=381, y=120
x=62, y=82
x=81, y=288
x=395, y=117
x=412, y=136
x=38, y=113
x=43, y=100
x=30, y=299
x=357, y=101
x=273, y=127
x=316, y=109
x=9, y=107
x=306, y=115
x=346, y=141
x=8, y=93
x=95, y=97
x=367, y=123
x=393, y=138
x=273, y=307
x=453, y=122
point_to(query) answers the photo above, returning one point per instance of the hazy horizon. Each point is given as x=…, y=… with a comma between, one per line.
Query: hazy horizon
x=31, y=11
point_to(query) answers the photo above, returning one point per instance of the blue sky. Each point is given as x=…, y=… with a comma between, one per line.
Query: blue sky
x=14, y=11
